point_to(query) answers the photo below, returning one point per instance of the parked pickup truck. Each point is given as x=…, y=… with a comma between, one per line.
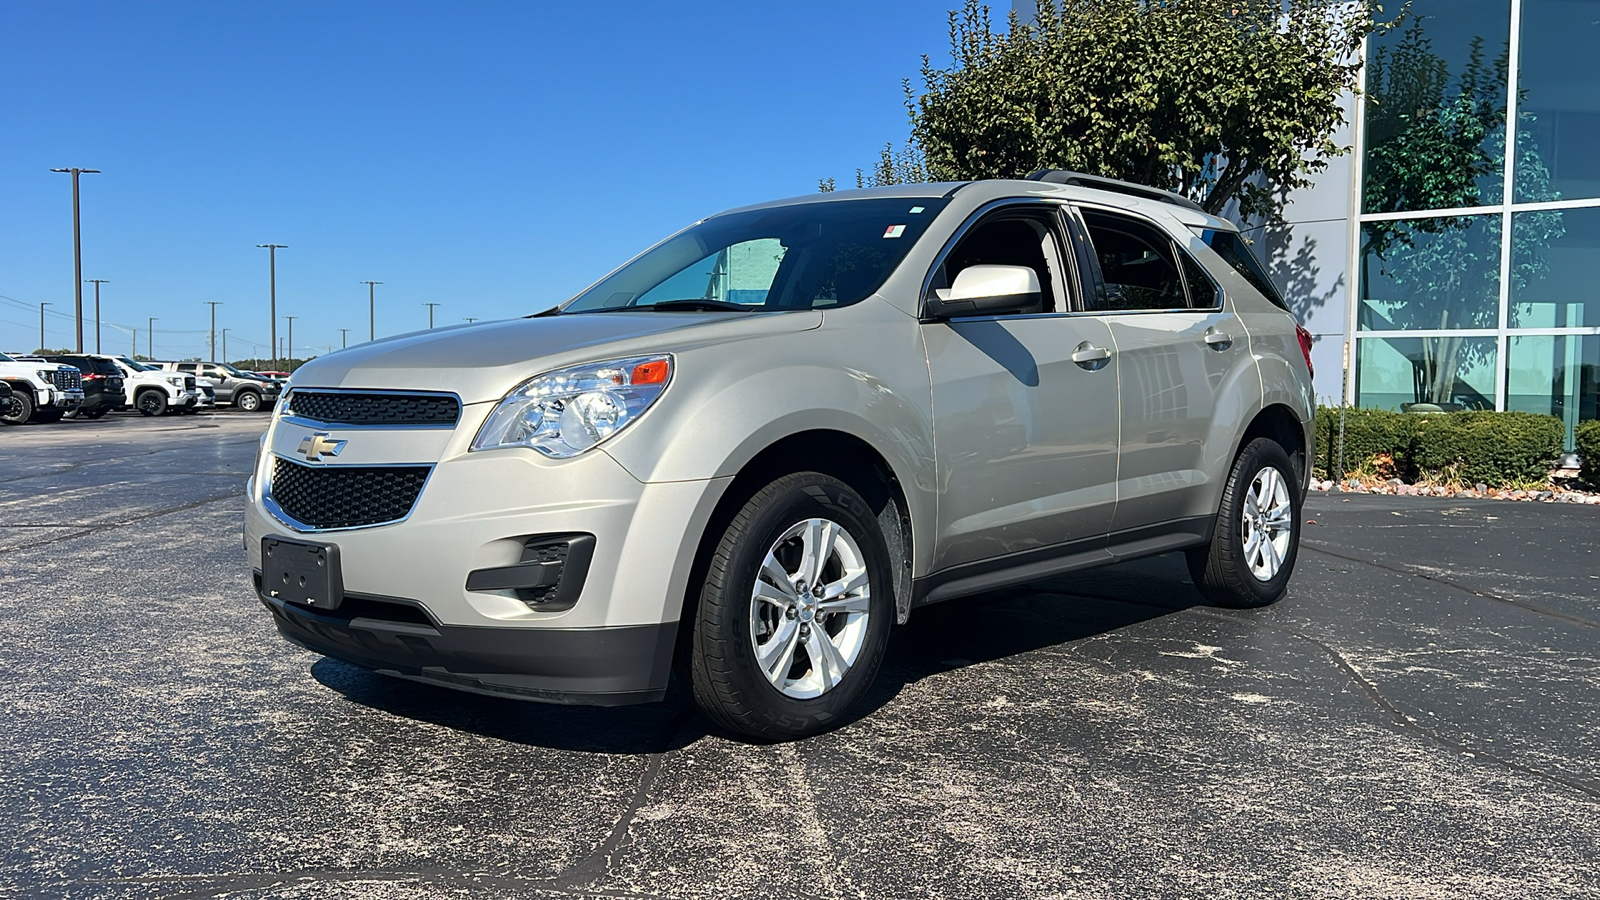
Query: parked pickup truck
x=41, y=391
x=232, y=385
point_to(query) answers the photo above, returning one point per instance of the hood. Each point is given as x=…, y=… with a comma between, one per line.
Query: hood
x=483, y=361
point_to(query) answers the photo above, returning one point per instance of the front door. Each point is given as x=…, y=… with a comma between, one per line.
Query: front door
x=1025, y=438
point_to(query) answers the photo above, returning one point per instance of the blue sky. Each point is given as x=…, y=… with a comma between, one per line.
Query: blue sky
x=493, y=157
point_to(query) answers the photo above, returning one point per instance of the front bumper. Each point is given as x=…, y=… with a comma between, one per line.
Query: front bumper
x=479, y=512
x=52, y=398
x=597, y=666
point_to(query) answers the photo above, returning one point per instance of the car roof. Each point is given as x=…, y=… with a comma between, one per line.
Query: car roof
x=1006, y=188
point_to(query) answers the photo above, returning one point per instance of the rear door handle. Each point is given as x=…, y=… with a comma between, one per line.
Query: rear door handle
x=1089, y=356
x=1218, y=340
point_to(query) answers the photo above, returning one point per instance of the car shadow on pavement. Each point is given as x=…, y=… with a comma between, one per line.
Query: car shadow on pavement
x=957, y=634
x=944, y=637
x=653, y=728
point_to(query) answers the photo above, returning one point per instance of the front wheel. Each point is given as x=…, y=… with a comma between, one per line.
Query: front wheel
x=1257, y=535
x=794, y=611
x=18, y=409
x=249, y=401
x=151, y=403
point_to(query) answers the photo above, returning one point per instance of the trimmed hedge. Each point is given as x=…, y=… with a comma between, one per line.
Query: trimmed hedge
x=1588, y=440
x=1493, y=448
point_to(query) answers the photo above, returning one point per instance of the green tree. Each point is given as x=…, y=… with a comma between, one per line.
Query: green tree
x=1219, y=100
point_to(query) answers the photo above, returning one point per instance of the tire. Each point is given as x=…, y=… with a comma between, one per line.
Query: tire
x=97, y=414
x=1235, y=570
x=48, y=416
x=771, y=536
x=249, y=401
x=18, y=410
x=150, y=403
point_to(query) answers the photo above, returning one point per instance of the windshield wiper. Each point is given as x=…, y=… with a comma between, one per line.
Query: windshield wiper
x=696, y=305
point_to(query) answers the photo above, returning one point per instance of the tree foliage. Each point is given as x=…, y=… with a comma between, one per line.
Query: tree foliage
x=1220, y=100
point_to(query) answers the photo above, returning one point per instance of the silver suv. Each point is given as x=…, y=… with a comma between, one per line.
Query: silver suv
x=748, y=452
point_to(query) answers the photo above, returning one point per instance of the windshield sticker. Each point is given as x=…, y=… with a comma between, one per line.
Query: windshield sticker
x=916, y=209
x=894, y=231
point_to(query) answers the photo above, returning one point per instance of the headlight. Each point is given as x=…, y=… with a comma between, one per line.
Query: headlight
x=177, y=381
x=46, y=375
x=565, y=412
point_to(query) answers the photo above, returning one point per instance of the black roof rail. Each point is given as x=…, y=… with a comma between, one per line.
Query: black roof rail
x=1079, y=179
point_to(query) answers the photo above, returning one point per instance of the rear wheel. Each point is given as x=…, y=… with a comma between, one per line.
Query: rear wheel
x=794, y=611
x=1257, y=535
x=151, y=403
x=95, y=414
x=17, y=410
x=249, y=401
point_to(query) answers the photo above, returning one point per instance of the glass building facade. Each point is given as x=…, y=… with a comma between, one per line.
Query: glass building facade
x=1475, y=255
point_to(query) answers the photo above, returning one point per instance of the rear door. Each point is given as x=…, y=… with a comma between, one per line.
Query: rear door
x=1025, y=437
x=1177, y=345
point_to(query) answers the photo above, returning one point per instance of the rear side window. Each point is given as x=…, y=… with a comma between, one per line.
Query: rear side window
x=1236, y=253
x=1137, y=261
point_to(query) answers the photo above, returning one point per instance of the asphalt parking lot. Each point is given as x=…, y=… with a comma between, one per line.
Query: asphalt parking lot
x=1416, y=719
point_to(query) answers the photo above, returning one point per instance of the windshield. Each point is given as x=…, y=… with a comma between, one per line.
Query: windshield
x=805, y=256
x=5, y=358
x=135, y=364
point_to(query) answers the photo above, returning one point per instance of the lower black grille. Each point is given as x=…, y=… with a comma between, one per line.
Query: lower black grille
x=375, y=408
x=67, y=380
x=345, y=496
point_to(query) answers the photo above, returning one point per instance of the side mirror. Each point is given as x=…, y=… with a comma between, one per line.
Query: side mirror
x=988, y=290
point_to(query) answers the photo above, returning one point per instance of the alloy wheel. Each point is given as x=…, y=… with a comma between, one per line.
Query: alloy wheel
x=1266, y=524
x=809, y=608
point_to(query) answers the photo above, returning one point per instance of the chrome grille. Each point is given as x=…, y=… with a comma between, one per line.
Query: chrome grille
x=345, y=496
x=67, y=380
x=374, y=408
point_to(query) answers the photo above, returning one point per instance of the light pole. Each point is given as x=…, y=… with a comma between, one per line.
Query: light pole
x=214, y=304
x=97, y=282
x=430, y=307
x=77, y=246
x=150, y=338
x=344, y=338
x=272, y=290
x=42, y=347
x=372, y=311
x=289, y=360
x=224, y=346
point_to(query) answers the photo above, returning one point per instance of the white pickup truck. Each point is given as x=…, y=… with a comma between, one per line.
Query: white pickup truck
x=40, y=391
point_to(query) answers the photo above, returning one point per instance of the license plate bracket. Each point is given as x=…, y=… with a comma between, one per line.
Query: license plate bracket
x=302, y=572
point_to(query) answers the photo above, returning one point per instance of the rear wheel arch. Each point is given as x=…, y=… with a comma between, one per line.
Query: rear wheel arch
x=1279, y=424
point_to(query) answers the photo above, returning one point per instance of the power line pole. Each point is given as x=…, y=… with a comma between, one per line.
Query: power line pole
x=97, y=282
x=150, y=338
x=344, y=338
x=372, y=314
x=77, y=246
x=272, y=276
x=42, y=347
x=224, y=346
x=214, y=304
x=430, y=307
x=289, y=360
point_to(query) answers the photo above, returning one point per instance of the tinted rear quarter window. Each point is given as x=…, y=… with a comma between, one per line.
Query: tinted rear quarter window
x=1237, y=254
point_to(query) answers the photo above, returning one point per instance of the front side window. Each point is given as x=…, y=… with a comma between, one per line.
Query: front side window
x=1137, y=261
x=806, y=256
x=1018, y=236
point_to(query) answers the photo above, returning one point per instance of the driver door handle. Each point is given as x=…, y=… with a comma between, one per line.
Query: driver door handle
x=1218, y=340
x=1089, y=356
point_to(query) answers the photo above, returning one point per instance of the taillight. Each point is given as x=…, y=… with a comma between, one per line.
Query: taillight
x=1305, y=346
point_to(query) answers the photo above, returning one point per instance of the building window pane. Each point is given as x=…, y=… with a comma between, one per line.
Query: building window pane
x=1555, y=279
x=1451, y=372
x=1559, y=116
x=1436, y=108
x=1436, y=273
x=1557, y=375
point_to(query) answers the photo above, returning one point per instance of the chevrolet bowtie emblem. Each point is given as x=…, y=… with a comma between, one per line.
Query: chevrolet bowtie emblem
x=322, y=442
